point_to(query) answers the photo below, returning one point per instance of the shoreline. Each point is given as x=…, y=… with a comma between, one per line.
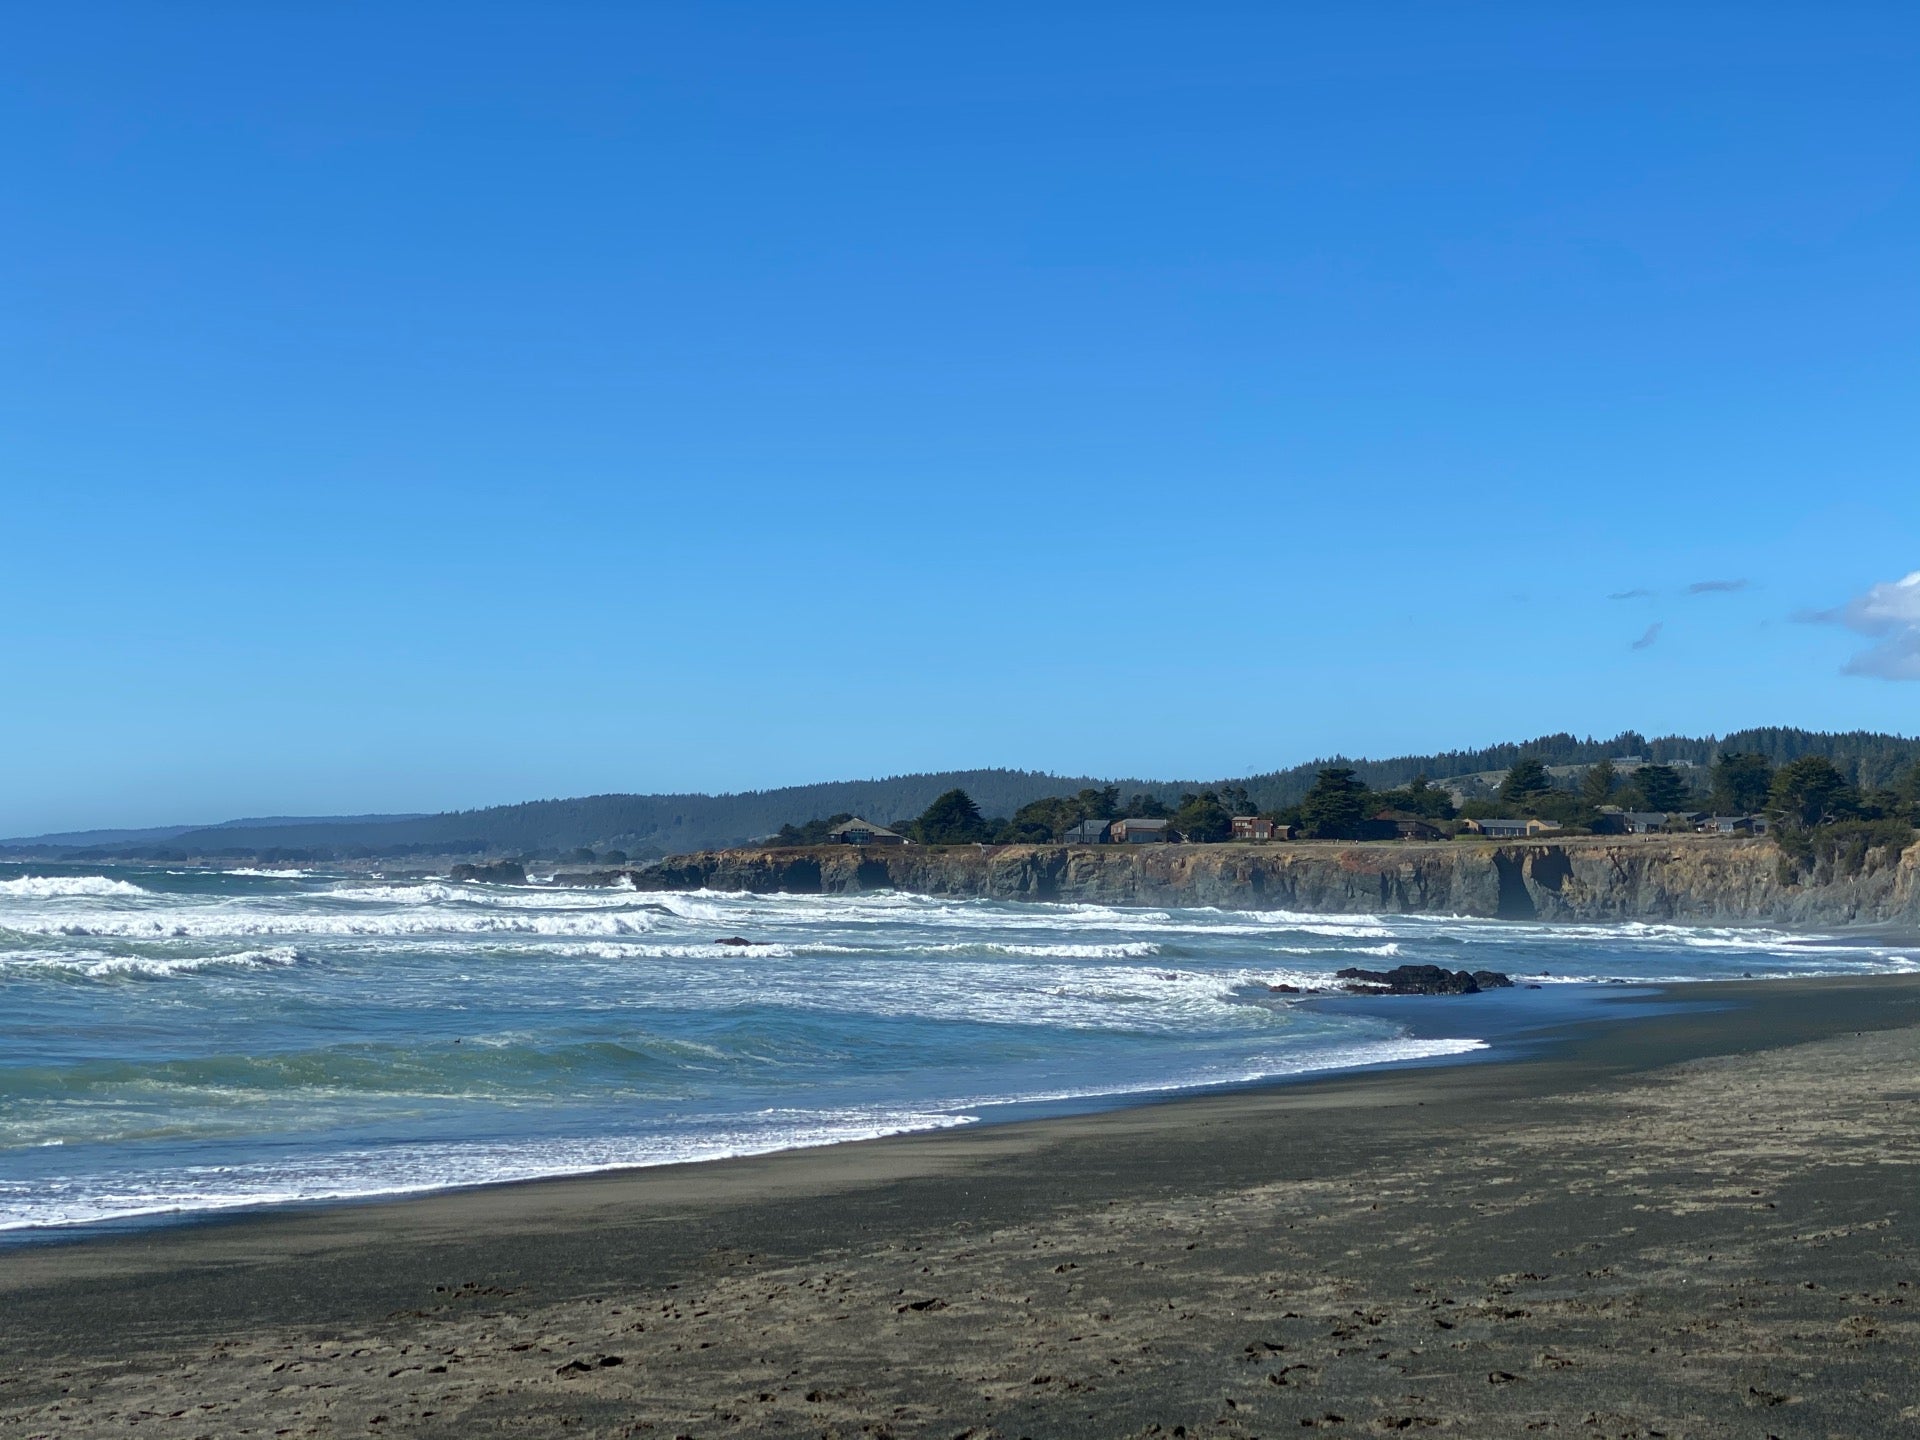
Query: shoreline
x=180, y=1273
x=1507, y=1025
x=1686, y=1218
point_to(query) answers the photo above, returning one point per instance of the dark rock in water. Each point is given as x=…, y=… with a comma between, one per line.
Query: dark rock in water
x=588, y=879
x=733, y=940
x=501, y=872
x=1421, y=980
x=1284, y=989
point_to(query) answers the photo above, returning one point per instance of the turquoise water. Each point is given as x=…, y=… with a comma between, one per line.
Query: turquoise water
x=178, y=1042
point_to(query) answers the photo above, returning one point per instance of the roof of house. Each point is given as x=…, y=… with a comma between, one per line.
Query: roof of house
x=1645, y=817
x=1136, y=823
x=865, y=826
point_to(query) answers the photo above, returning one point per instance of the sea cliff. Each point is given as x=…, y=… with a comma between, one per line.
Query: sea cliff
x=1689, y=879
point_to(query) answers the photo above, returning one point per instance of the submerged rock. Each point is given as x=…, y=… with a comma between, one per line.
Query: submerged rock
x=1421, y=980
x=500, y=872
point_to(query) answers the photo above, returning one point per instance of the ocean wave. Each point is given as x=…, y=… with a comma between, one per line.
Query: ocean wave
x=1124, y=950
x=439, y=892
x=97, y=966
x=635, y=950
x=61, y=887
x=216, y=923
x=410, y=1170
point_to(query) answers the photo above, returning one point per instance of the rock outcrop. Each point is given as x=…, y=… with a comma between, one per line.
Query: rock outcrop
x=500, y=872
x=1421, y=980
x=1695, y=880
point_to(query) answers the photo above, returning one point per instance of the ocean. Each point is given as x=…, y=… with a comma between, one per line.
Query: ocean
x=179, y=1042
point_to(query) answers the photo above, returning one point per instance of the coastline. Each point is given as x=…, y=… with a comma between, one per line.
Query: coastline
x=1682, y=879
x=144, y=1316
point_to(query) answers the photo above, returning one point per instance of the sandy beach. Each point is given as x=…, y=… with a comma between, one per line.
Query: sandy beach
x=1698, y=1222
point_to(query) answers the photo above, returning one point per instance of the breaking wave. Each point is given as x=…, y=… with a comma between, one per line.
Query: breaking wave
x=59, y=887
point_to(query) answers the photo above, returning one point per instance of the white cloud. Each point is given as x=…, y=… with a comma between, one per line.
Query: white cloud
x=1889, y=613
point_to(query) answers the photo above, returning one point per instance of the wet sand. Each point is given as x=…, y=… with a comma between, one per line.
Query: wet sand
x=1702, y=1223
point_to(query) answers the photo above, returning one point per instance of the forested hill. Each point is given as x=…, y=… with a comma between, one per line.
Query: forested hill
x=1870, y=760
x=644, y=825
x=649, y=824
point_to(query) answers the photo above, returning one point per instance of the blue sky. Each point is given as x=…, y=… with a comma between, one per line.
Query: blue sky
x=414, y=406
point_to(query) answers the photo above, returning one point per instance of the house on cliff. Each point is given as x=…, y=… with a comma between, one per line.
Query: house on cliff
x=1503, y=829
x=864, y=832
x=1258, y=827
x=1087, y=832
x=1410, y=827
x=1138, y=832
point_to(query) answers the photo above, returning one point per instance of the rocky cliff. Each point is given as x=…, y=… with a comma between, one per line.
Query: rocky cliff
x=1691, y=879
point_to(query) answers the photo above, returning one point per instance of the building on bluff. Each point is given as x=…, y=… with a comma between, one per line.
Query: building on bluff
x=864, y=832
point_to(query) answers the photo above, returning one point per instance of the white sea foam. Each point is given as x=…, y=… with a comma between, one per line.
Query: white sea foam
x=1125, y=950
x=630, y=950
x=98, y=966
x=59, y=1202
x=233, y=922
x=436, y=892
x=62, y=887
x=404, y=1170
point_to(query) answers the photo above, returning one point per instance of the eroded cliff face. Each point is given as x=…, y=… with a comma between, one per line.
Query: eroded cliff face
x=1690, y=879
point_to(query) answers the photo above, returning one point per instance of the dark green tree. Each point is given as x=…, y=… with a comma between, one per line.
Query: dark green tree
x=1906, y=792
x=814, y=832
x=1335, y=807
x=1661, y=787
x=1810, y=791
x=1417, y=797
x=952, y=819
x=1203, y=818
x=1741, y=783
x=1040, y=821
x=1525, y=782
x=1597, y=785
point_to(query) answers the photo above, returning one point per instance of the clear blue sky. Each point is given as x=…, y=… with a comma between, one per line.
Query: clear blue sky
x=411, y=406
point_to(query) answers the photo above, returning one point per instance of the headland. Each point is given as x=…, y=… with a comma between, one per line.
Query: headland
x=1683, y=879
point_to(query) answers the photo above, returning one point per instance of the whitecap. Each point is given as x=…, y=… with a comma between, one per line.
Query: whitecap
x=60, y=887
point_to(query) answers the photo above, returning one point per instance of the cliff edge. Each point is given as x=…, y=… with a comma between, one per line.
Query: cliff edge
x=1699, y=880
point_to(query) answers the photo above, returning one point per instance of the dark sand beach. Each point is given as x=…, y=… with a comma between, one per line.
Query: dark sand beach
x=1701, y=1222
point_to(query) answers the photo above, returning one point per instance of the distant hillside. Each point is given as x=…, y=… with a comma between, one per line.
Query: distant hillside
x=156, y=834
x=645, y=825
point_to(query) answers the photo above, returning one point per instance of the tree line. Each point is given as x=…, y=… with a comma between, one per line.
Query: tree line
x=1817, y=815
x=955, y=818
